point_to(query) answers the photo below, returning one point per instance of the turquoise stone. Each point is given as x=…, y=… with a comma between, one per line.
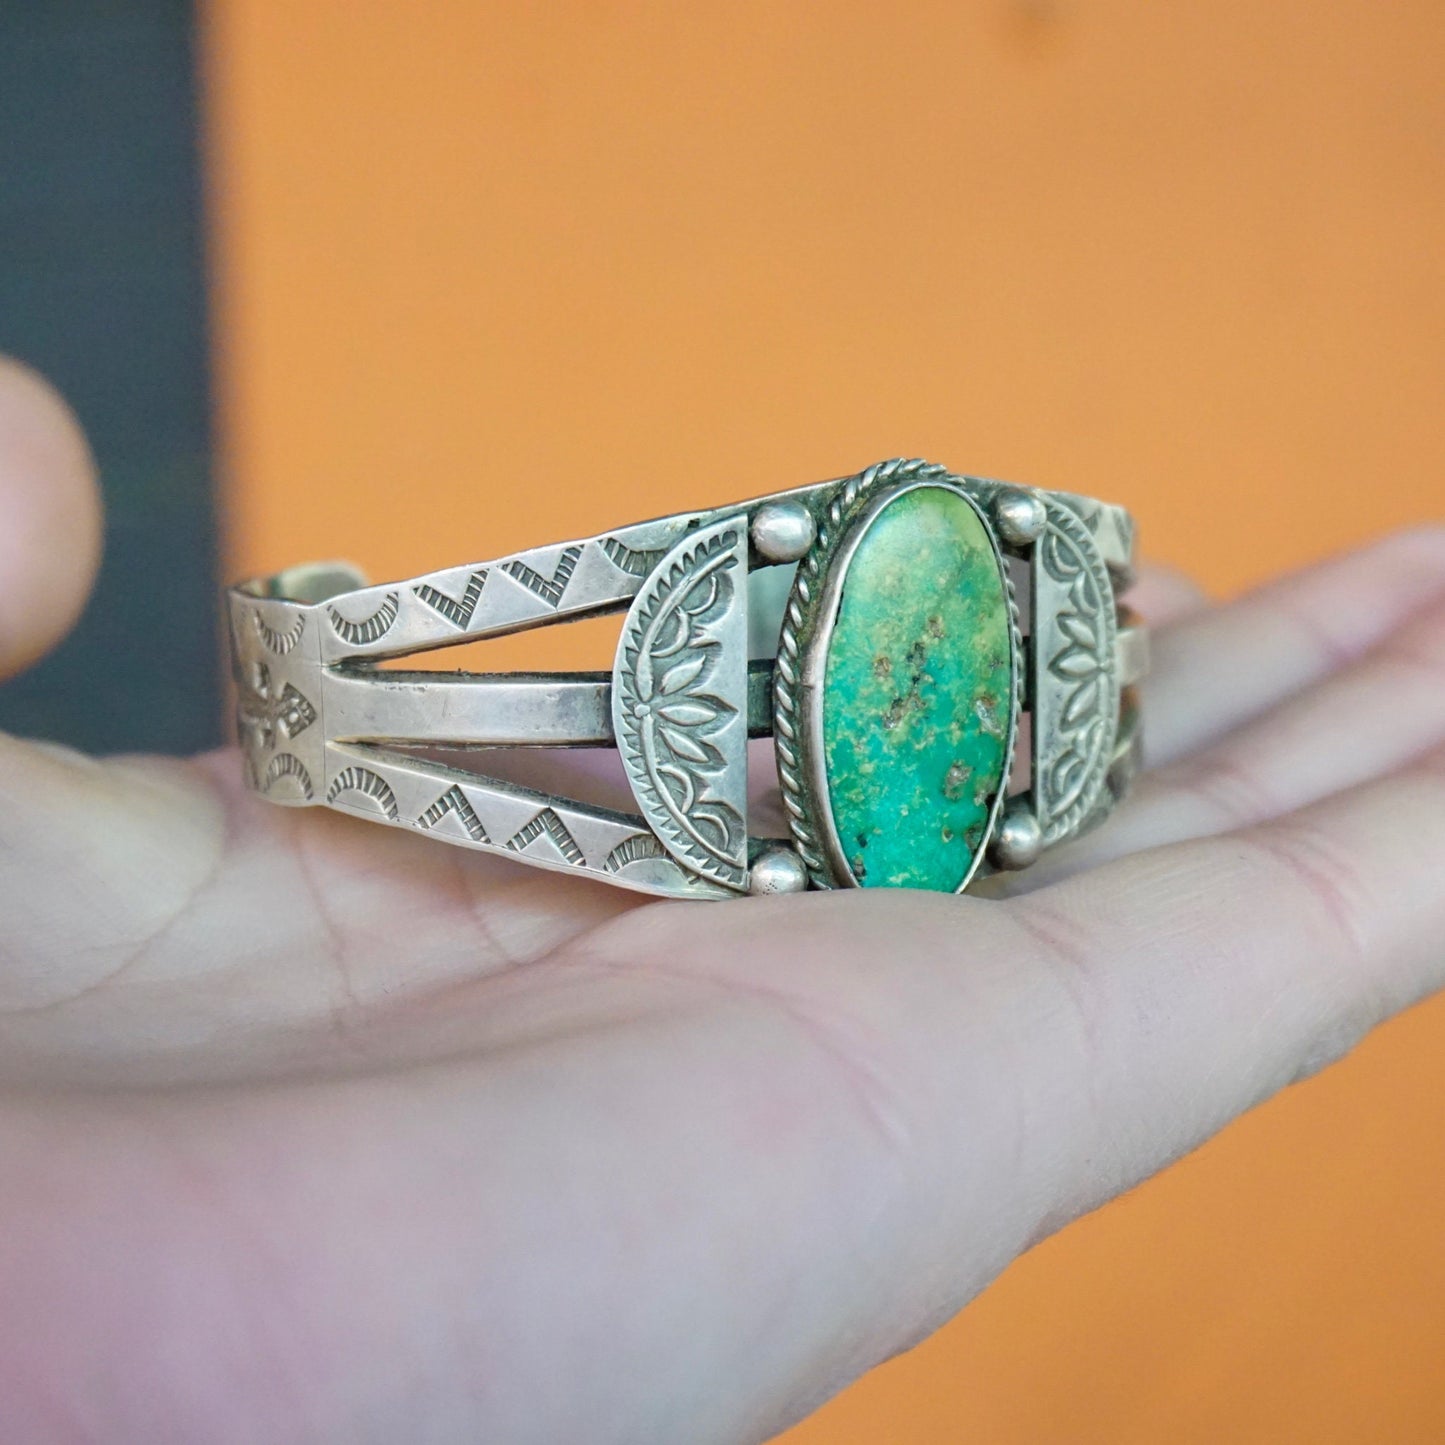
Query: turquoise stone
x=917, y=694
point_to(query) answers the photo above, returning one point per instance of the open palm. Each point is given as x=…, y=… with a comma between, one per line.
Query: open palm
x=314, y=1131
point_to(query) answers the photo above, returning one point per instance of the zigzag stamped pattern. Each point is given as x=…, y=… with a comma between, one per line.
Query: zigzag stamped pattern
x=454, y=800
x=549, y=589
x=544, y=824
x=459, y=611
x=549, y=824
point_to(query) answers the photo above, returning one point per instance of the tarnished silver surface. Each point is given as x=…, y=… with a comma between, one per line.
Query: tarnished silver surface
x=500, y=817
x=275, y=649
x=1131, y=651
x=458, y=710
x=709, y=608
x=493, y=710
x=1074, y=694
x=679, y=701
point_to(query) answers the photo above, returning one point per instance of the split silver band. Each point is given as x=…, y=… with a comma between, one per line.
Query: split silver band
x=726, y=636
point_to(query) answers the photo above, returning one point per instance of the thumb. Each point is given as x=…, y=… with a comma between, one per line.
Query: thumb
x=93, y=857
x=50, y=518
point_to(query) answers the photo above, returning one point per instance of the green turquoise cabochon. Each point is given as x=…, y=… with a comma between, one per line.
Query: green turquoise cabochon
x=918, y=692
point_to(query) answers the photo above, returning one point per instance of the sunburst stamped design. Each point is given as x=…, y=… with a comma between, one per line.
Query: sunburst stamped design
x=279, y=640
x=1076, y=689
x=634, y=561
x=368, y=629
x=363, y=783
x=679, y=701
x=638, y=848
x=287, y=769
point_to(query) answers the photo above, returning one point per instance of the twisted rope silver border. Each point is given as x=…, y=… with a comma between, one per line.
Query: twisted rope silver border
x=799, y=621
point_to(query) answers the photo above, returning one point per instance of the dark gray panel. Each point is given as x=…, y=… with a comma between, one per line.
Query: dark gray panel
x=102, y=288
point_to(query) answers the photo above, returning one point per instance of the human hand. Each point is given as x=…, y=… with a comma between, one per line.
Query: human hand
x=315, y=1131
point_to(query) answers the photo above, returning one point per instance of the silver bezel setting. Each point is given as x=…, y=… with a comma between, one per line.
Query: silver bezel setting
x=803, y=645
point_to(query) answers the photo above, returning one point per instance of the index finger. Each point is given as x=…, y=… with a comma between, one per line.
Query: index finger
x=1208, y=975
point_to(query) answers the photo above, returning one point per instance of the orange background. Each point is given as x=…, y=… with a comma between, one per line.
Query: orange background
x=490, y=275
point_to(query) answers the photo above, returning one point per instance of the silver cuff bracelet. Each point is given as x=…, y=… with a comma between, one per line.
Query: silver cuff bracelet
x=941, y=661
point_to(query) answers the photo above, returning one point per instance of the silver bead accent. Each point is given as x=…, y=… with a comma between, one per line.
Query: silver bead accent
x=1018, y=839
x=777, y=870
x=783, y=530
x=1019, y=516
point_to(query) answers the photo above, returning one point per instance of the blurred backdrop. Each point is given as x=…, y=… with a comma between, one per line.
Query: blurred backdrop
x=486, y=275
